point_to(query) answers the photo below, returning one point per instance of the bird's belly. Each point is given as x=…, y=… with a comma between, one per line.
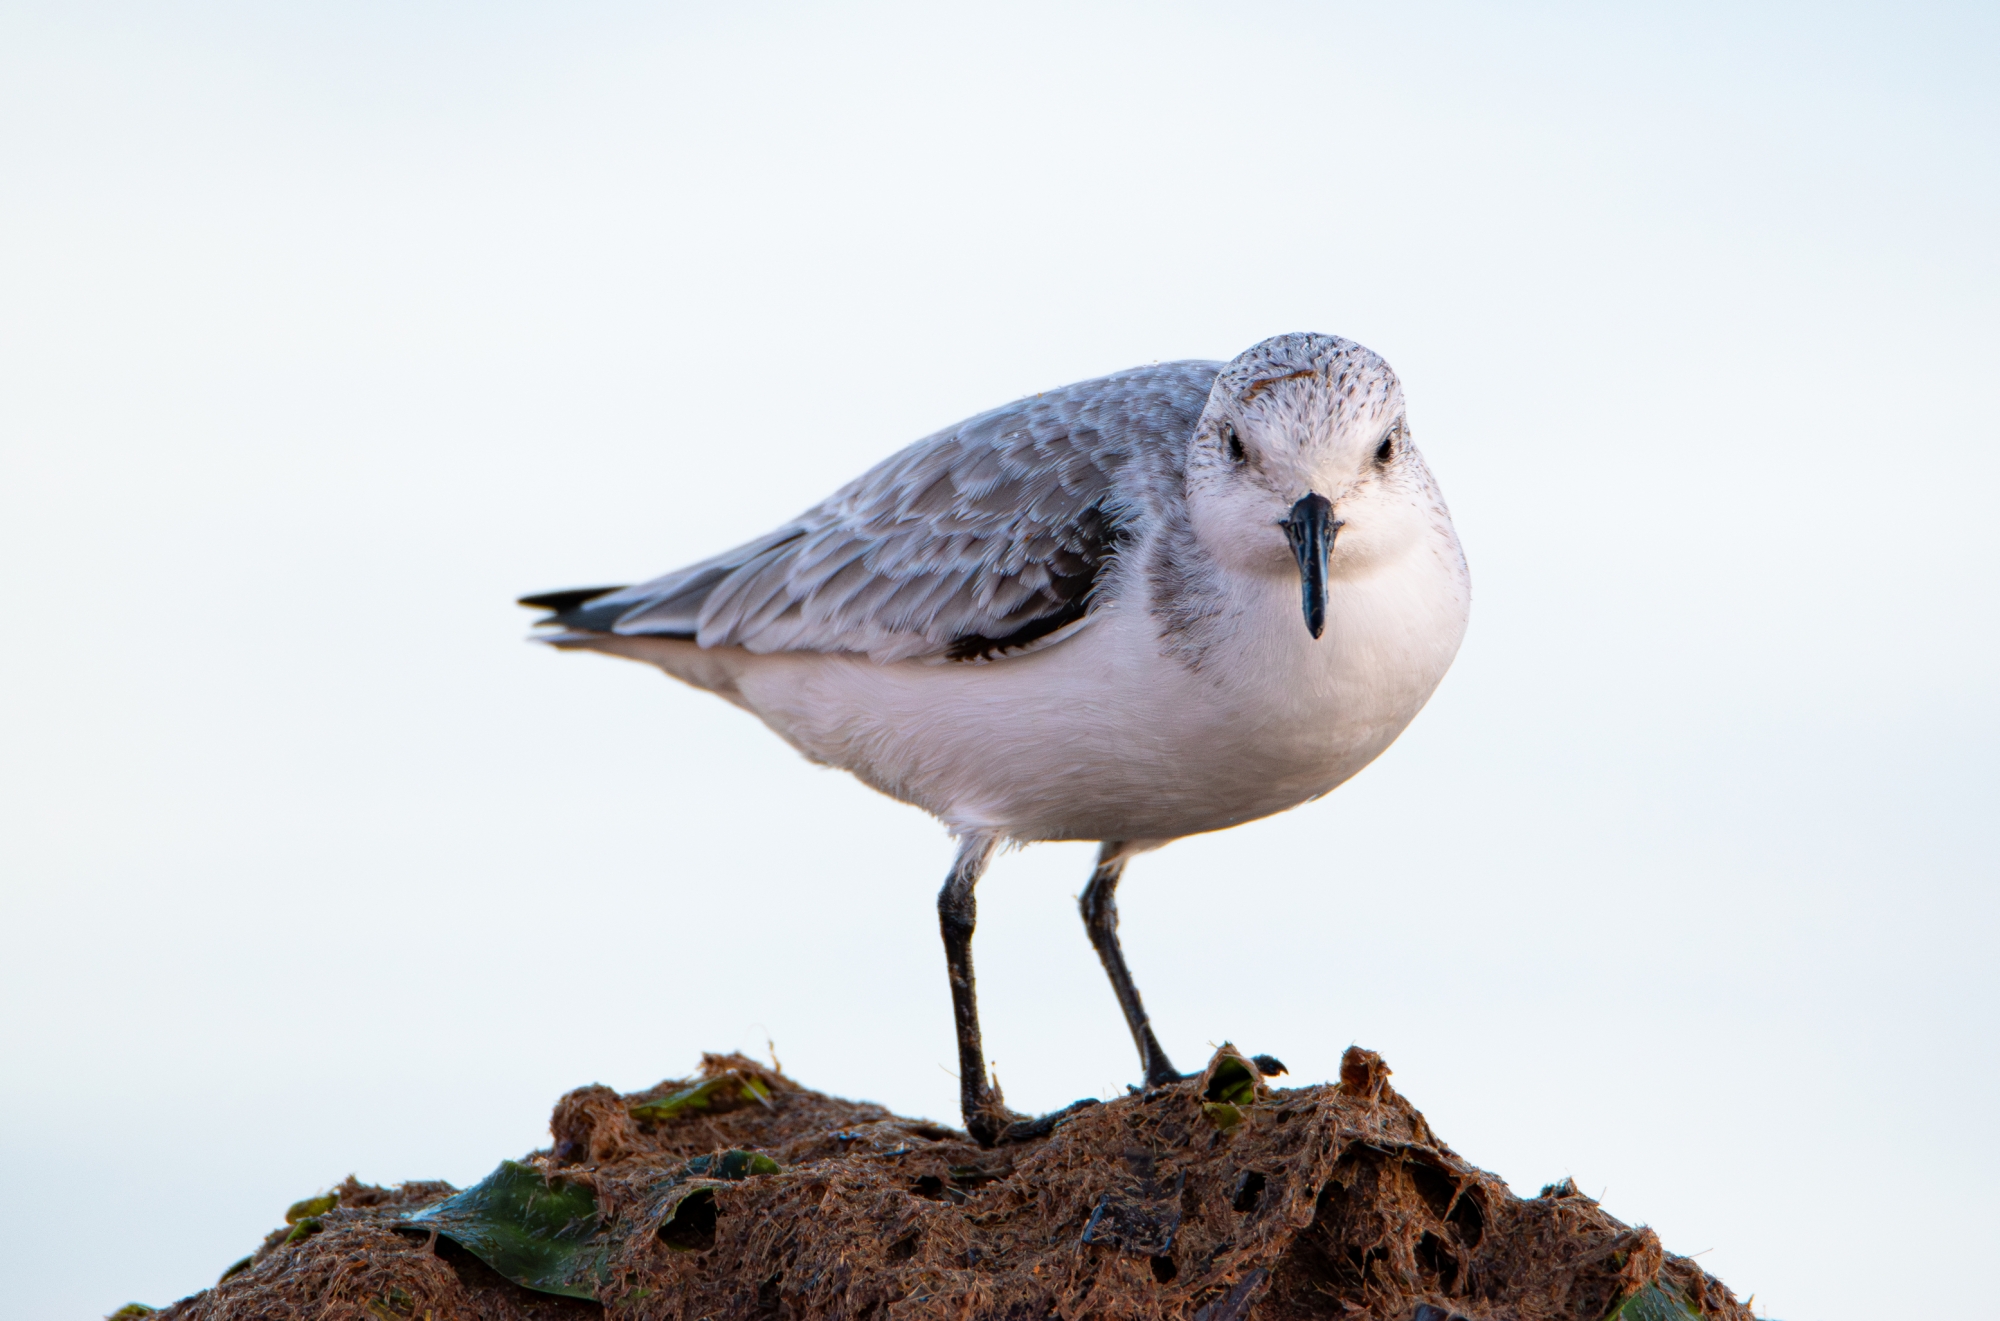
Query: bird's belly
x=1104, y=736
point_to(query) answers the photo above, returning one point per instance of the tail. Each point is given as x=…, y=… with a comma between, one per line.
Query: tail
x=667, y=607
x=582, y=619
x=571, y=609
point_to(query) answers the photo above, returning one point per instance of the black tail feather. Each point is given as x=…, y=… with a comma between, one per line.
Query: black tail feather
x=565, y=606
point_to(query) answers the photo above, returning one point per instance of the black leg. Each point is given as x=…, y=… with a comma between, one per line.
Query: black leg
x=1100, y=919
x=986, y=1115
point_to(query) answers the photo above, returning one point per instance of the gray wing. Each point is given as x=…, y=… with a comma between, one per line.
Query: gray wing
x=984, y=538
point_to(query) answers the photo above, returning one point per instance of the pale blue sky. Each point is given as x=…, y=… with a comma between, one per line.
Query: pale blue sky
x=324, y=332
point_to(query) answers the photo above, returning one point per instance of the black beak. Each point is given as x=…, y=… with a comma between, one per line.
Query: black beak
x=1311, y=530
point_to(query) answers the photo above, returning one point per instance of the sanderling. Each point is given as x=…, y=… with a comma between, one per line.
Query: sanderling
x=1150, y=605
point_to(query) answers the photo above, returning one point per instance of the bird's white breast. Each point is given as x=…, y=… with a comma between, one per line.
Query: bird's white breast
x=1106, y=736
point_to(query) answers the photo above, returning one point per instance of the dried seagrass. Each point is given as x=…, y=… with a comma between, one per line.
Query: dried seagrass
x=740, y=1194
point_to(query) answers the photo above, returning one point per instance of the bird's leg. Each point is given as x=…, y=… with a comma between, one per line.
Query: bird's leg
x=986, y=1115
x=1100, y=918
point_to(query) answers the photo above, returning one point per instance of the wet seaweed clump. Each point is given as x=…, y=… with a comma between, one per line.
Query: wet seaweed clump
x=739, y=1194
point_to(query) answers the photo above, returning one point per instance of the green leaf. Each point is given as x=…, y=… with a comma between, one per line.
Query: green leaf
x=1655, y=1302
x=311, y=1206
x=730, y=1165
x=540, y=1235
x=723, y=1092
x=130, y=1311
x=1222, y=1114
x=1232, y=1082
x=238, y=1269
x=305, y=1229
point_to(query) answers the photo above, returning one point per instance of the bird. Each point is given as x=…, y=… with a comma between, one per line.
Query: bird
x=1150, y=605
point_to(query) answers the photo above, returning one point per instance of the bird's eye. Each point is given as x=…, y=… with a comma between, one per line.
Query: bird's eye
x=1236, y=452
x=1386, y=450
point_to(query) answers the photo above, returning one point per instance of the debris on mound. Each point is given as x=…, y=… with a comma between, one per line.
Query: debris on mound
x=740, y=1194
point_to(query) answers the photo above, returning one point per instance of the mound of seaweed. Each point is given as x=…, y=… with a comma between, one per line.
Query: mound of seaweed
x=740, y=1194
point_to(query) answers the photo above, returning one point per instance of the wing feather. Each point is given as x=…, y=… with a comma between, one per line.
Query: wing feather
x=982, y=539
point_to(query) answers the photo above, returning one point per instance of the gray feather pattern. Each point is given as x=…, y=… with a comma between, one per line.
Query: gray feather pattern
x=974, y=532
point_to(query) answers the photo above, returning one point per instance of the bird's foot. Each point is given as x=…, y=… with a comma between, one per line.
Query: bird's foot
x=1266, y=1065
x=991, y=1124
x=996, y=1126
x=1024, y=1130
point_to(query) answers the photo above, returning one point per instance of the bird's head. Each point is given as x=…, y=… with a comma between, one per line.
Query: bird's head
x=1301, y=464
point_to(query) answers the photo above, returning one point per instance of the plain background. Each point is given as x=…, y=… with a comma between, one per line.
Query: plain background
x=330, y=329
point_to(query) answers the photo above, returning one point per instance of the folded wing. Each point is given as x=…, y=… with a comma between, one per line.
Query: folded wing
x=984, y=539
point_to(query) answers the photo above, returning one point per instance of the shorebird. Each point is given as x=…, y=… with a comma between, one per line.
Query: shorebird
x=1155, y=604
